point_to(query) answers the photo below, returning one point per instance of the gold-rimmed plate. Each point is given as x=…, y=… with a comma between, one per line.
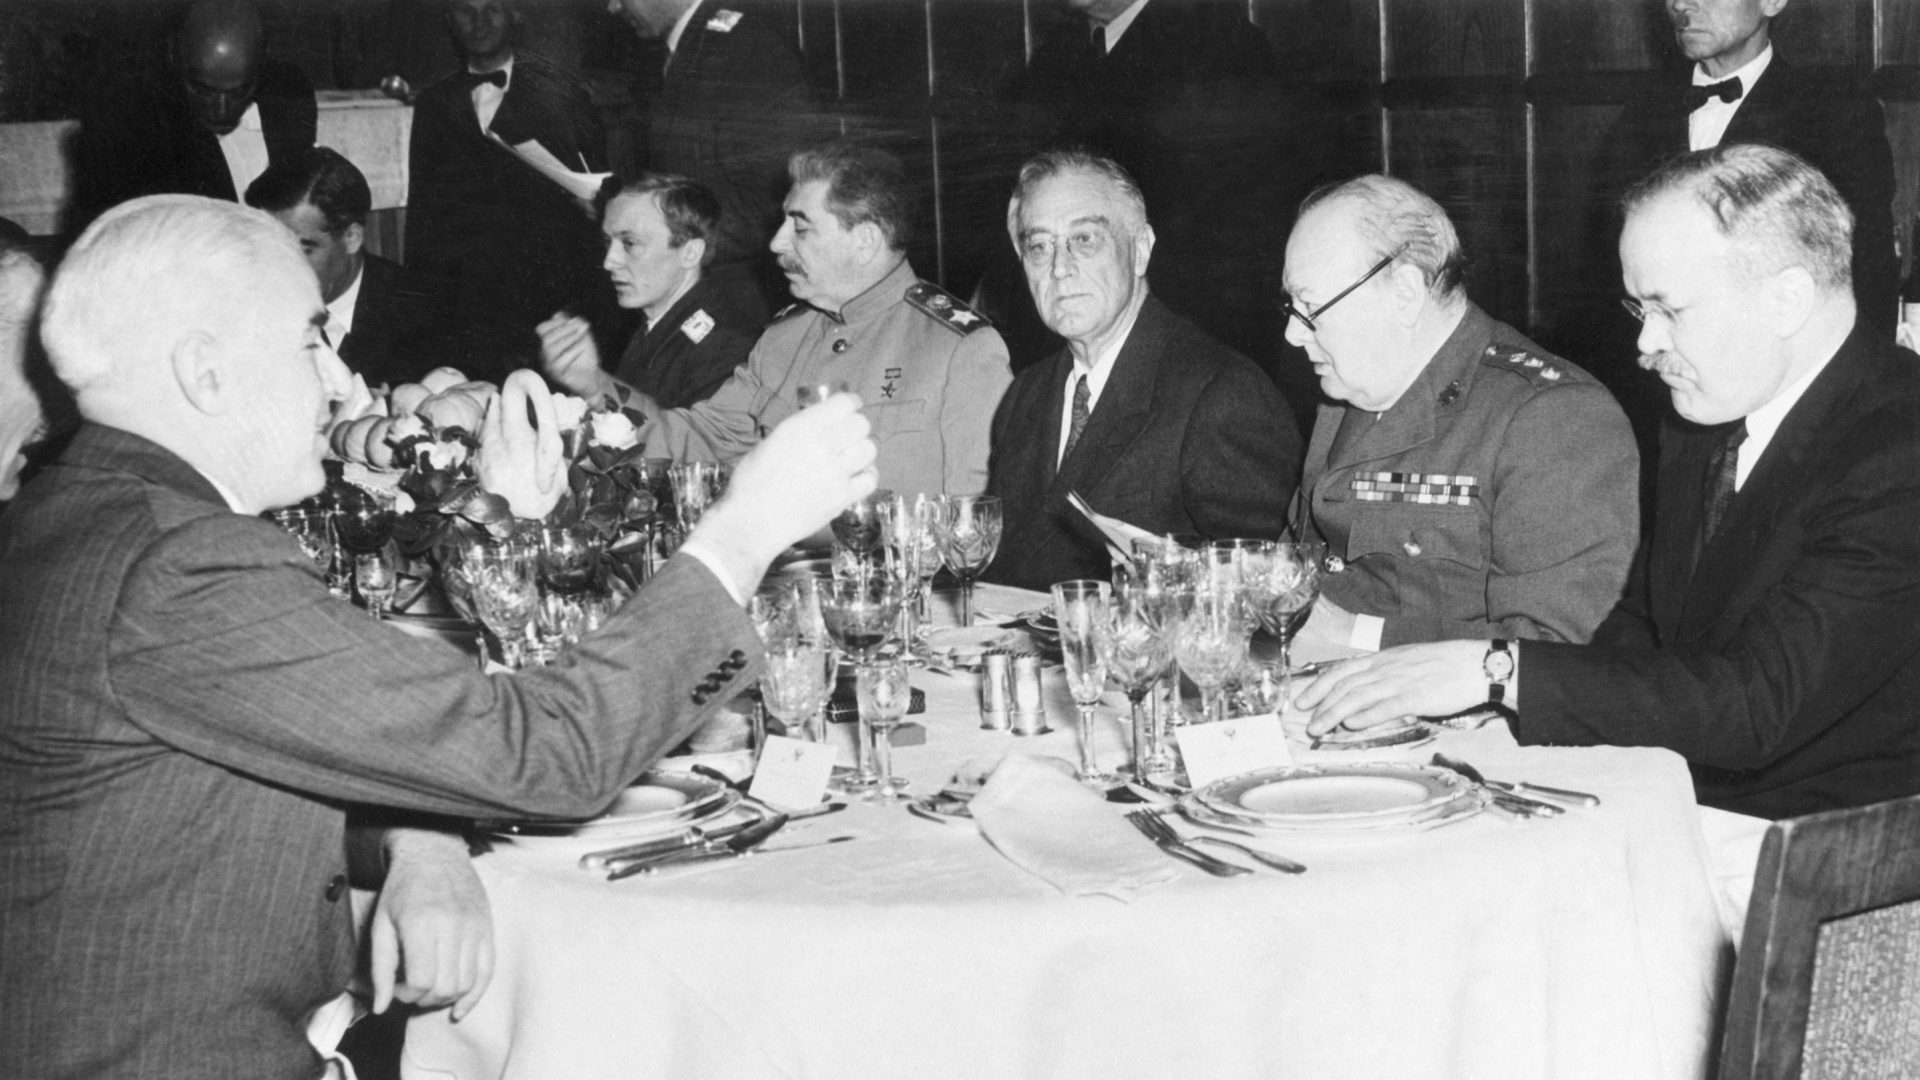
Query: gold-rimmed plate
x=1356, y=796
x=657, y=804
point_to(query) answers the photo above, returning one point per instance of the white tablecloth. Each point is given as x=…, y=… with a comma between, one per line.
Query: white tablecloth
x=1584, y=946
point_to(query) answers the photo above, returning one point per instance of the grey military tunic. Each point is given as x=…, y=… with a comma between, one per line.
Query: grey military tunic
x=1499, y=497
x=929, y=369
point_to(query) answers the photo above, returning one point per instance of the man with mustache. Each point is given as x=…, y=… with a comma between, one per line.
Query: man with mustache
x=1771, y=630
x=928, y=368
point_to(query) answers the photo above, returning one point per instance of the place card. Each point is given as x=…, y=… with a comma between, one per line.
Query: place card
x=1231, y=747
x=792, y=773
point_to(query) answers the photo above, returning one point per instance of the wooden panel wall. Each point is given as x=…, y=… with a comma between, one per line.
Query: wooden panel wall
x=1493, y=106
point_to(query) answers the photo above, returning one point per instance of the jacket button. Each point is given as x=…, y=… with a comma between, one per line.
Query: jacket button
x=839, y=345
x=738, y=657
x=712, y=684
x=336, y=887
x=700, y=696
x=1412, y=549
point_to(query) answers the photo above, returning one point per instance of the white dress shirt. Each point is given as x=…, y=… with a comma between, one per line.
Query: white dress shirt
x=1708, y=123
x=245, y=148
x=487, y=97
x=1096, y=377
x=1120, y=22
x=1765, y=420
x=340, y=310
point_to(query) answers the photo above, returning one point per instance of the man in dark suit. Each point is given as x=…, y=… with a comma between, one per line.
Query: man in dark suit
x=1147, y=418
x=1186, y=96
x=730, y=106
x=660, y=234
x=1771, y=631
x=1466, y=481
x=379, y=322
x=500, y=241
x=186, y=715
x=204, y=123
x=1737, y=87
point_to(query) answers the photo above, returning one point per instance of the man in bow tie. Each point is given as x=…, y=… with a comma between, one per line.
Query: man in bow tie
x=1770, y=633
x=487, y=230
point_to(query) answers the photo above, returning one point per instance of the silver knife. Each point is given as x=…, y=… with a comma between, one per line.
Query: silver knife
x=1180, y=850
x=742, y=840
x=673, y=866
x=1508, y=799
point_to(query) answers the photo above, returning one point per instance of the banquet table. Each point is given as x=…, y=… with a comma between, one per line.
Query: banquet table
x=1586, y=945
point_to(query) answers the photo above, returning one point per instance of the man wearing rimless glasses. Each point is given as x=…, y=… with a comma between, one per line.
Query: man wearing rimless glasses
x=1466, y=483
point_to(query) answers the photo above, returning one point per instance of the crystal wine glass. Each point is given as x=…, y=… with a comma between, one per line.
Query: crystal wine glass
x=311, y=529
x=505, y=590
x=884, y=692
x=363, y=518
x=914, y=545
x=860, y=530
x=1292, y=585
x=1080, y=608
x=795, y=682
x=860, y=613
x=376, y=577
x=1164, y=570
x=566, y=561
x=696, y=486
x=1138, y=647
x=1211, y=639
x=968, y=528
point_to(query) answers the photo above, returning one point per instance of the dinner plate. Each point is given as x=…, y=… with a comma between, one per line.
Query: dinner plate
x=1356, y=796
x=1405, y=732
x=658, y=804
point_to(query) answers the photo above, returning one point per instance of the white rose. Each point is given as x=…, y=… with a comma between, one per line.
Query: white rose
x=614, y=431
x=570, y=410
x=444, y=454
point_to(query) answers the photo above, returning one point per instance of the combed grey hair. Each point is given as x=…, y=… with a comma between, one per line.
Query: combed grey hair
x=1774, y=208
x=1051, y=163
x=1396, y=216
x=149, y=267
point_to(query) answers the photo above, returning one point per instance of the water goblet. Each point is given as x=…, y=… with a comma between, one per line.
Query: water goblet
x=1080, y=608
x=375, y=575
x=968, y=530
x=505, y=589
x=795, y=683
x=696, y=485
x=883, y=691
x=1292, y=585
x=566, y=564
x=1138, y=649
x=1211, y=640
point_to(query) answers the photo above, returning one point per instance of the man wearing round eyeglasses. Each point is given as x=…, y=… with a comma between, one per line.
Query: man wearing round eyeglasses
x=1467, y=483
x=1144, y=416
x=1771, y=633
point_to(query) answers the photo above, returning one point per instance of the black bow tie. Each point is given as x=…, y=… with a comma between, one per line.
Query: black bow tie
x=1725, y=90
x=499, y=79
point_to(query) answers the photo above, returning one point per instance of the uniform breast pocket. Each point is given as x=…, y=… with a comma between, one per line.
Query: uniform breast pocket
x=895, y=419
x=1417, y=533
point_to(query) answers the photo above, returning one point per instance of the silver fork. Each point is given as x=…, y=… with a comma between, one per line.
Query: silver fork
x=1163, y=835
x=1277, y=862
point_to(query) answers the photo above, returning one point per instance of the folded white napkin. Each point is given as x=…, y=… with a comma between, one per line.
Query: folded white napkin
x=1048, y=824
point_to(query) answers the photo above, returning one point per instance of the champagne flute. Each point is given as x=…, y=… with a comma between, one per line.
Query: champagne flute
x=968, y=529
x=1080, y=608
x=1138, y=649
x=914, y=545
x=1164, y=569
x=374, y=575
x=884, y=692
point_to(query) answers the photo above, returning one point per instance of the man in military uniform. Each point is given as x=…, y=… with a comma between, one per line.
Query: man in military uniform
x=929, y=369
x=660, y=232
x=1468, y=484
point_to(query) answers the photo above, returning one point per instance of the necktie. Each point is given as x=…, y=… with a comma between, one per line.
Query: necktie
x=1721, y=469
x=476, y=78
x=1081, y=393
x=1725, y=90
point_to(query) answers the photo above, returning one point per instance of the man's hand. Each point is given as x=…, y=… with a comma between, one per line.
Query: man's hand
x=570, y=357
x=804, y=472
x=432, y=939
x=1435, y=679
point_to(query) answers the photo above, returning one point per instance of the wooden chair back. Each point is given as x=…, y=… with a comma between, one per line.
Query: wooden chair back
x=1827, y=983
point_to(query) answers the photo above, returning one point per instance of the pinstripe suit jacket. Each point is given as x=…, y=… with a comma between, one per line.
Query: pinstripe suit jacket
x=184, y=715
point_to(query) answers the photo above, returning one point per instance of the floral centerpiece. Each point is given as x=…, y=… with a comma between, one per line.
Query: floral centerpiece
x=467, y=462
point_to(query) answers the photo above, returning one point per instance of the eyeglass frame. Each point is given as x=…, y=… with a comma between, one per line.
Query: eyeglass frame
x=1641, y=312
x=1306, y=320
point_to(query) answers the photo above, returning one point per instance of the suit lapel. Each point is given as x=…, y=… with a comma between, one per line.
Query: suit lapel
x=1125, y=406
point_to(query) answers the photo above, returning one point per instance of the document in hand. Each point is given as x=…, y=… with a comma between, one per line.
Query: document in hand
x=1120, y=535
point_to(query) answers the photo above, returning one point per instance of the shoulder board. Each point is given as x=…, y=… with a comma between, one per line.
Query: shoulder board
x=723, y=21
x=939, y=304
x=1541, y=370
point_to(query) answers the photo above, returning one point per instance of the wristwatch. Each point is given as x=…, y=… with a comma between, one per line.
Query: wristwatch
x=1498, y=664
